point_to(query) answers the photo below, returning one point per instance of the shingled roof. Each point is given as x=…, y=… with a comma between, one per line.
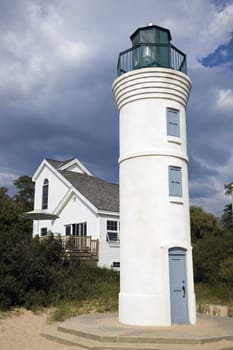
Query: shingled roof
x=58, y=163
x=103, y=195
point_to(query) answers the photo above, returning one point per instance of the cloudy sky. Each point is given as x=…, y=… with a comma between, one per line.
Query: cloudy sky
x=57, y=64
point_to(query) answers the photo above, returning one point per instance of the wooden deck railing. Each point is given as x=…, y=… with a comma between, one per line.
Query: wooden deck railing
x=84, y=245
x=79, y=246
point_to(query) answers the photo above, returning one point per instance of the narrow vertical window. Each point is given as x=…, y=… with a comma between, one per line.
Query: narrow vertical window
x=175, y=181
x=45, y=192
x=68, y=230
x=173, y=122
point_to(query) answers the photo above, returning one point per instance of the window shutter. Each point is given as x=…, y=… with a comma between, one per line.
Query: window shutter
x=175, y=181
x=173, y=122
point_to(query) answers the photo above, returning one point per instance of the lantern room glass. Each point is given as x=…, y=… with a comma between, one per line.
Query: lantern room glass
x=150, y=47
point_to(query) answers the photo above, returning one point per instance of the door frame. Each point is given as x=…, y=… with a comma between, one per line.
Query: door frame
x=179, y=251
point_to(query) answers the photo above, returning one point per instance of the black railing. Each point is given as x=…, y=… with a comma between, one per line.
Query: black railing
x=151, y=55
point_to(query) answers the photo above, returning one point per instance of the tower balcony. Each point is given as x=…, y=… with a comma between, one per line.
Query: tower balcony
x=151, y=55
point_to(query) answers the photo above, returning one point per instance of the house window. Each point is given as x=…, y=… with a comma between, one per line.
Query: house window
x=45, y=192
x=173, y=122
x=68, y=230
x=79, y=229
x=43, y=231
x=175, y=181
x=112, y=231
x=116, y=264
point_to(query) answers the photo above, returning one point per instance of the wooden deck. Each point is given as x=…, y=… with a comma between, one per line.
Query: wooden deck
x=79, y=247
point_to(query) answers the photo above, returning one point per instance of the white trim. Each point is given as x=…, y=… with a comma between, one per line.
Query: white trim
x=44, y=164
x=162, y=83
x=108, y=213
x=174, y=139
x=78, y=163
x=73, y=192
x=162, y=152
x=178, y=200
x=173, y=244
x=65, y=199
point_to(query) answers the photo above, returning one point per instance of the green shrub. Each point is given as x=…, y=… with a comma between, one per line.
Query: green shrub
x=218, y=293
x=34, y=273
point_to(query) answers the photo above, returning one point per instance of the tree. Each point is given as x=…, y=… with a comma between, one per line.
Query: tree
x=8, y=211
x=228, y=188
x=13, y=227
x=213, y=260
x=25, y=191
x=203, y=225
x=29, y=268
x=212, y=247
x=227, y=217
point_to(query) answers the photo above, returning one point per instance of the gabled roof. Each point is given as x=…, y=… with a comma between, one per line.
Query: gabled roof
x=103, y=195
x=72, y=164
x=56, y=163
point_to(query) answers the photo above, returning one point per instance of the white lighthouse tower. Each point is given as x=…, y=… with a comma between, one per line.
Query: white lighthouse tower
x=151, y=92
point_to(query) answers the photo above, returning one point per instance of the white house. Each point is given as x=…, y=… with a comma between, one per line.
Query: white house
x=83, y=209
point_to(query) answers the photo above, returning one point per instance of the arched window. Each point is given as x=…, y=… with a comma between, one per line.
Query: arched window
x=45, y=192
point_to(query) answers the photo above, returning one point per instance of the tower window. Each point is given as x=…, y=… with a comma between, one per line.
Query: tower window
x=175, y=181
x=45, y=193
x=173, y=122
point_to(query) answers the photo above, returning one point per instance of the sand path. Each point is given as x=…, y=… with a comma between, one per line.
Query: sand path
x=22, y=332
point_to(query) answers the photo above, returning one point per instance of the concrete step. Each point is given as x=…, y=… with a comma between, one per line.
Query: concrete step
x=105, y=332
x=84, y=341
x=142, y=339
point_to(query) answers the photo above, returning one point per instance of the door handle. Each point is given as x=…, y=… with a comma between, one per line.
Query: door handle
x=183, y=291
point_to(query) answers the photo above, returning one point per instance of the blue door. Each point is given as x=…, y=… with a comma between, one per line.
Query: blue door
x=178, y=287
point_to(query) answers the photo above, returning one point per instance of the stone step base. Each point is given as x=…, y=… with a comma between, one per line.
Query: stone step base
x=56, y=334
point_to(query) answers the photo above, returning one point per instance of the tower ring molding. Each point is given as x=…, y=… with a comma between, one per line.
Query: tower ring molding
x=152, y=153
x=152, y=83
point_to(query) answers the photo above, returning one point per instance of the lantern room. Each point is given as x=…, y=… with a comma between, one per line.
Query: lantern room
x=151, y=47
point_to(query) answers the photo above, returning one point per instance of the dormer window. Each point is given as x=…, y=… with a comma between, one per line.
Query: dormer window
x=45, y=193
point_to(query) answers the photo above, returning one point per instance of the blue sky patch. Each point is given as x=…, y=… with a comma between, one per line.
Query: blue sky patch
x=222, y=55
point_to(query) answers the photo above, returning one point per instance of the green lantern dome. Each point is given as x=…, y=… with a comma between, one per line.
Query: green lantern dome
x=151, y=47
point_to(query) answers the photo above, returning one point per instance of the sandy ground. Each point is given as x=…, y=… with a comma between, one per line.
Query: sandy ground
x=22, y=332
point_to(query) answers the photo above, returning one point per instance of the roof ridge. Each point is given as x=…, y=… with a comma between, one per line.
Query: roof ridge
x=67, y=161
x=59, y=162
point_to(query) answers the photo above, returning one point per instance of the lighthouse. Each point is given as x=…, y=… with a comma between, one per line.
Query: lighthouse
x=152, y=91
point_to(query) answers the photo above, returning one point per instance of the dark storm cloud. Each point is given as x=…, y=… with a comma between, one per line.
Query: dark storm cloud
x=57, y=64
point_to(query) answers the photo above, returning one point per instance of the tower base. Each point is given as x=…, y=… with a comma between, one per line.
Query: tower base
x=143, y=310
x=148, y=310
